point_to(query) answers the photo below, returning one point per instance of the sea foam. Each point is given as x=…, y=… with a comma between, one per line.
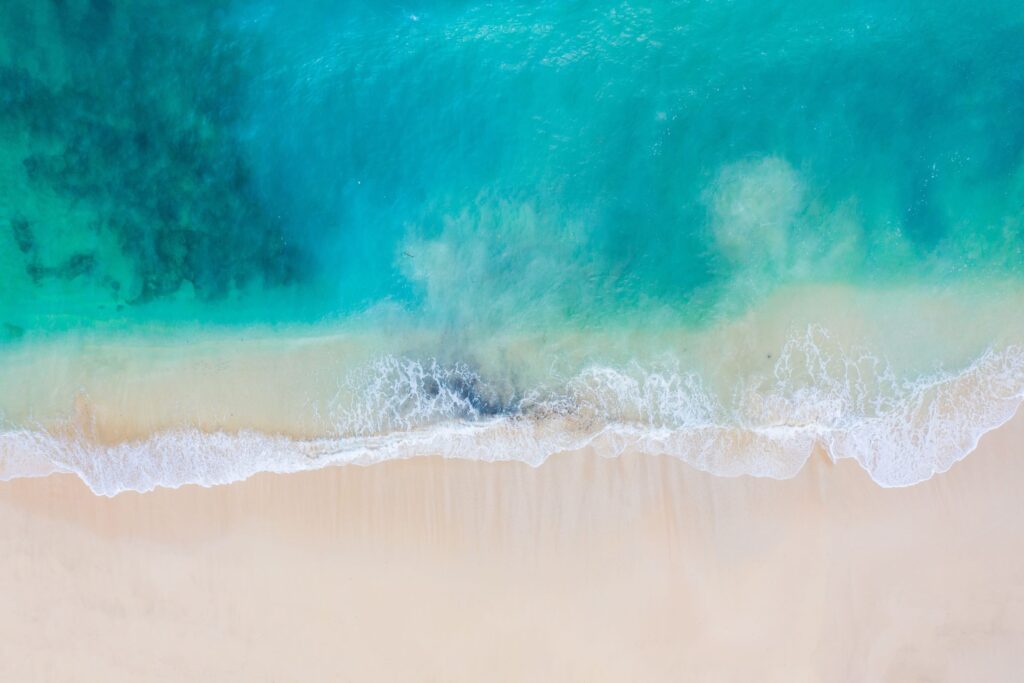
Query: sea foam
x=852, y=405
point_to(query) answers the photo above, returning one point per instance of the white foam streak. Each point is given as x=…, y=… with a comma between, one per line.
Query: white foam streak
x=852, y=405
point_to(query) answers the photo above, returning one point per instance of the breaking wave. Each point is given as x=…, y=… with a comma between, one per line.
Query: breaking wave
x=852, y=405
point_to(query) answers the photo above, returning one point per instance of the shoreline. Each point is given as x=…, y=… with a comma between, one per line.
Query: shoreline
x=915, y=435
x=754, y=395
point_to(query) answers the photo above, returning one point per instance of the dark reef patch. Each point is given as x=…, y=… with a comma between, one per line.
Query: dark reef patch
x=142, y=131
x=23, y=237
x=9, y=331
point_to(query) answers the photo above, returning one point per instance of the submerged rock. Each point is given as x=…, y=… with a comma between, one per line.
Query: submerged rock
x=10, y=331
x=23, y=237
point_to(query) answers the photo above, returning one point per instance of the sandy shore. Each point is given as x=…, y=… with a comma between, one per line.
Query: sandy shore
x=585, y=569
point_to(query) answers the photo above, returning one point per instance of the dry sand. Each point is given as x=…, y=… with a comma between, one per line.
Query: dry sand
x=585, y=569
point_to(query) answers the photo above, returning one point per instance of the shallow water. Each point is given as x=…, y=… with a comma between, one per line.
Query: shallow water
x=509, y=201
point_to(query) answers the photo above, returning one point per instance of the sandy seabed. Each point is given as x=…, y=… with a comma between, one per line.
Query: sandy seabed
x=584, y=569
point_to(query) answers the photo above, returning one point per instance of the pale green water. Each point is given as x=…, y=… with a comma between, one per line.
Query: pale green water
x=473, y=170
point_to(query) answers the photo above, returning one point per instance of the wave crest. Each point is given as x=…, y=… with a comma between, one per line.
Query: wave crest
x=852, y=404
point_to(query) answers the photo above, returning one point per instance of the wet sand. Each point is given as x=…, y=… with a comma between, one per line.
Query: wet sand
x=637, y=568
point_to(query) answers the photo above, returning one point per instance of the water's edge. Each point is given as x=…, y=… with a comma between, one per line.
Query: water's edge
x=900, y=434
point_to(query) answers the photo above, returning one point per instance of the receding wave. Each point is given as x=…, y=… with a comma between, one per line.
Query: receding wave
x=851, y=404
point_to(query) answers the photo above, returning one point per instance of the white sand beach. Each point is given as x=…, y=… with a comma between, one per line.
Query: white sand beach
x=584, y=569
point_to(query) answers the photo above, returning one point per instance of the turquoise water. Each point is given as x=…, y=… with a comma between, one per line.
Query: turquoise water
x=468, y=186
x=496, y=164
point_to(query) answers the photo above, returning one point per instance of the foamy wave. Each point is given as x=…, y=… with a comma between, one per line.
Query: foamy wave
x=901, y=431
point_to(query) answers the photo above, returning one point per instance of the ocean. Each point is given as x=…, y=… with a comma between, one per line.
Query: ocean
x=257, y=236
